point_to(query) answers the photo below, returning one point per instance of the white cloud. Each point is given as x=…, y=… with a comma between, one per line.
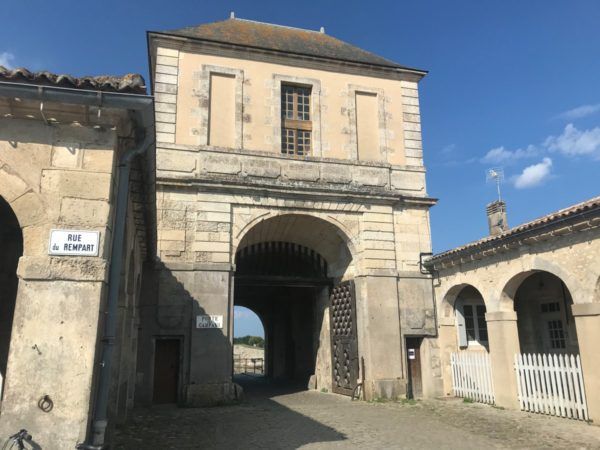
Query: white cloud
x=448, y=149
x=574, y=142
x=501, y=155
x=580, y=112
x=6, y=59
x=533, y=175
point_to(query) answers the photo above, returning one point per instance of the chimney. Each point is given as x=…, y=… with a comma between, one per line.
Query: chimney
x=496, y=214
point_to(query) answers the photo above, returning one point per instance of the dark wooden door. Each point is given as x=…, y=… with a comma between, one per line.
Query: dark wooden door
x=413, y=355
x=344, y=339
x=166, y=370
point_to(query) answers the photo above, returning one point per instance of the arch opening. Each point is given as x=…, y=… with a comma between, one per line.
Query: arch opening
x=285, y=267
x=545, y=321
x=11, y=249
x=249, y=340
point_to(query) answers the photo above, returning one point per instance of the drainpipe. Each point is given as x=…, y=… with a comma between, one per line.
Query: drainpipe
x=425, y=270
x=100, y=415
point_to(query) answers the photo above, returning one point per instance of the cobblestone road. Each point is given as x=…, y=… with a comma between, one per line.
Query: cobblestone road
x=272, y=418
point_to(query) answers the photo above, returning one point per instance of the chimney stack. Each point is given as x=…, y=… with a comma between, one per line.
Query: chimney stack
x=496, y=214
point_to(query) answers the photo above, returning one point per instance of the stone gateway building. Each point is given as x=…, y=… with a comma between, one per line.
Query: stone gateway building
x=289, y=164
x=274, y=168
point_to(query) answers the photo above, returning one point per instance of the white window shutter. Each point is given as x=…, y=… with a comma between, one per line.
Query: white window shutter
x=460, y=325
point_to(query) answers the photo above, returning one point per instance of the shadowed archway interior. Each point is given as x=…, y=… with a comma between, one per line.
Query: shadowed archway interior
x=11, y=249
x=544, y=318
x=285, y=267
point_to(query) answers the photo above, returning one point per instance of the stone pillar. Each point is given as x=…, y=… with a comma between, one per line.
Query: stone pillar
x=504, y=344
x=379, y=340
x=587, y=321
x=211, y=350
x=448, y=344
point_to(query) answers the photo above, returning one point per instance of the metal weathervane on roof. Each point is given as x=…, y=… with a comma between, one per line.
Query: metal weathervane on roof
x=495, y=175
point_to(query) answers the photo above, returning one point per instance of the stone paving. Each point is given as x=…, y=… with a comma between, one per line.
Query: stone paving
x=278, y=418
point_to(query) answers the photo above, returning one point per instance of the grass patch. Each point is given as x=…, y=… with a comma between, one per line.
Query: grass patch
x=467, y=400
x=324, y=390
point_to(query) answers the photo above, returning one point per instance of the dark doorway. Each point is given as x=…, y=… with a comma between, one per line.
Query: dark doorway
x=11, y=249
x=166, y=370
x=413, y=356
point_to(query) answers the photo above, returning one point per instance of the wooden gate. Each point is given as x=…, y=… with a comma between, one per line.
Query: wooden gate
x=344, y=339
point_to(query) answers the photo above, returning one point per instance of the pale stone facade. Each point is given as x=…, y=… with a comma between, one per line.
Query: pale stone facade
x=58, y=170
x=367, y=218
x=561, y=249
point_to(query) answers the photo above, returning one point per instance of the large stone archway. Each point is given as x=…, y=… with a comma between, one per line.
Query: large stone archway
x=286, y=266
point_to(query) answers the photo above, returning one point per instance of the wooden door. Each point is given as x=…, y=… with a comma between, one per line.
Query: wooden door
x=166, y=370
x=413, y=355
x=344, y=338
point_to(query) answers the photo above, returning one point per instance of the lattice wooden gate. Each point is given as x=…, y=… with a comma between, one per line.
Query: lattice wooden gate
x=344, y=339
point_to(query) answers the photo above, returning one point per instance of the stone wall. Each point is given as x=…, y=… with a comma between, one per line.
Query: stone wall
x=182, y=74
x=62, y=176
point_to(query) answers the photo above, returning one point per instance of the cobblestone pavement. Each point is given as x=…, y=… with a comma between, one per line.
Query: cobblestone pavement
x=274, y=418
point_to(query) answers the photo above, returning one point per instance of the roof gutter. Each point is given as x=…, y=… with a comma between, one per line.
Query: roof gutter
x=143, y=108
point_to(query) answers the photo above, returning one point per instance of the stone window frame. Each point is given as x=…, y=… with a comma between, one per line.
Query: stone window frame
x=315, y=99
x=353, y=89
x=204, y=93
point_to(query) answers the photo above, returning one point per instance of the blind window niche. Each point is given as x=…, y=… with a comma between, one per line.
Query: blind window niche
x=367, y=127
x=221, y=122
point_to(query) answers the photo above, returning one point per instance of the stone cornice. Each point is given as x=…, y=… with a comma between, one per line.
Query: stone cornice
x=279, y=156
x=233, y=185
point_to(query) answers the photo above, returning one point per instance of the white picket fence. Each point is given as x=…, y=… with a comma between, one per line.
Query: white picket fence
x=472, y=376
x=551, y=384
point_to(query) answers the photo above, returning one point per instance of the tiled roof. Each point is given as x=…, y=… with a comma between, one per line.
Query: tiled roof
x=550, y=219
x=267, y=36
x=130, y=83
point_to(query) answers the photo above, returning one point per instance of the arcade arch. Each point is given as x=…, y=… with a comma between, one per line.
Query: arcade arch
x=11, y=249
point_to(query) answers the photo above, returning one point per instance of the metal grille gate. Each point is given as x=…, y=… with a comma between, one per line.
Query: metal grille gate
x=344, y=339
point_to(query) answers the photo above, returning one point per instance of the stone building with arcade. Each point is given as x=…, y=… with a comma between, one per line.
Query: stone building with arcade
x=533, y=289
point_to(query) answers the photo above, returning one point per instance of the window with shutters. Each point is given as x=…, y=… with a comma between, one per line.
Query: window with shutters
x=471, y=323
x=296, y=122
x=475, y=324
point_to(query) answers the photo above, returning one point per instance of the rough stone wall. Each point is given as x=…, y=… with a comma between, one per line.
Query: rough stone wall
x=58, y=176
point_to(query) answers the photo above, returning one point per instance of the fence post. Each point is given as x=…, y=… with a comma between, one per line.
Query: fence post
x=504, y=344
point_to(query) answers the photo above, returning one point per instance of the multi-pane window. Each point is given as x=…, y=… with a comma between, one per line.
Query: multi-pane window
x=556, y=334
x=296, y=124
x=475, y=324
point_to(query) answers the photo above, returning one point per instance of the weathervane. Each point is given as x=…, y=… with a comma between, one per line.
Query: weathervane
x=495, y=175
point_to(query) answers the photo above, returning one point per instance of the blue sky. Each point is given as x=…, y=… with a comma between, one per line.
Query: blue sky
x=512, y=83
